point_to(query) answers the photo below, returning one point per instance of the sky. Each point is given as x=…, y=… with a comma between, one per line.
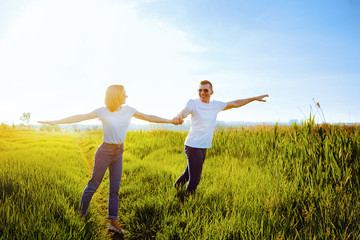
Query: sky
x=58, y=57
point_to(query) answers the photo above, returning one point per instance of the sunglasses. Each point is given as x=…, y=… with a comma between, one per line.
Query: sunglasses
x=203, y=90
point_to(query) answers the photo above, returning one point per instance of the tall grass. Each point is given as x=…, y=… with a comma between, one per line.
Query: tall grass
x=298, y=182
x=317, y=171
x=264, y=182
x=42, y=176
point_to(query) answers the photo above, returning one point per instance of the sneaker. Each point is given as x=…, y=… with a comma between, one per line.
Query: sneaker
x=114, y=229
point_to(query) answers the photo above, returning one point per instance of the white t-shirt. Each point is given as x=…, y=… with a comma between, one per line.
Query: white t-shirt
x=115, y=124
x=203, y=120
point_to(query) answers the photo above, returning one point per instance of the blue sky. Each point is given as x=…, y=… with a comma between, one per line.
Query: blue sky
x=58, y=57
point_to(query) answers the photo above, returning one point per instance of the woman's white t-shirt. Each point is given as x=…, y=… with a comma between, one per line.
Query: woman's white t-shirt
x=115, y=124
x=202, y=123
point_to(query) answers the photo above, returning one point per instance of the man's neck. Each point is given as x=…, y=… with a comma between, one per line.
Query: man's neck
x=207, y=102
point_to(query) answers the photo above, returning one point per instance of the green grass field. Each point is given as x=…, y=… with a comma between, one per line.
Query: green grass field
x=296, y=182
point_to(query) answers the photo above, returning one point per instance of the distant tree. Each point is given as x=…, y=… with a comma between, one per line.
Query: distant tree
x=48, y=128
x=26, y=118
x=76, y=128
x=42, y=128
x=4, y=126
x=57, y=128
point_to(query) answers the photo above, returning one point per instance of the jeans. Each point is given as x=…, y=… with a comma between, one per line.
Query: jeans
x=106, y=156
x=192, y=173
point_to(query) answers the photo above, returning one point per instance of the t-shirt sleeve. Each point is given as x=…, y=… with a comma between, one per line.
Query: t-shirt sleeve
x=100, y=112
x=131, y=110
x=190, y=105
x=220, y=105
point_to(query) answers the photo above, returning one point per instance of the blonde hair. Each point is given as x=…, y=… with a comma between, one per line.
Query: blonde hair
x=114, y=97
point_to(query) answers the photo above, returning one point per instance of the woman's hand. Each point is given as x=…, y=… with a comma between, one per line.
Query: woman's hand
x=177, y=121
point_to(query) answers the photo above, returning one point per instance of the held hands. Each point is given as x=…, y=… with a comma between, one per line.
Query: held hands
x=177, y=121
x=260, y=98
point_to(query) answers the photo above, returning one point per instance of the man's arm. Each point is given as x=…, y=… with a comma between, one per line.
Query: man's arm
x=242, y=102
x=72, y=119
x=183, y=113
x=155, y=119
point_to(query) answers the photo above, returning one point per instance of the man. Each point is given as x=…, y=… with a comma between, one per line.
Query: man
x=203, y=119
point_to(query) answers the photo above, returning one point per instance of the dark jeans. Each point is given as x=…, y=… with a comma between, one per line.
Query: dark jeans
x=192, y=173
x=106, y=156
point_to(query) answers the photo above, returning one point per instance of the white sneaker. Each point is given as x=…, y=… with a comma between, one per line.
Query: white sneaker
x=114, y=229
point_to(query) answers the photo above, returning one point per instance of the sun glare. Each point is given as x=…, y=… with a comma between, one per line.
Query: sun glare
x=65, y=46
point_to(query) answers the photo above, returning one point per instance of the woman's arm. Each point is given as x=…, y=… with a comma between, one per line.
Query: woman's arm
x=72, y=119
x=155, y=119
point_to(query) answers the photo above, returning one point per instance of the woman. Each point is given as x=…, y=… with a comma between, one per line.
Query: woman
x=115, y=119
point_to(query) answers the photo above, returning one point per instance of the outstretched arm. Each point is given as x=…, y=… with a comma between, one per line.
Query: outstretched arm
x=181, y=115
x=155, y=119
x=72, y=119
x=242, y=102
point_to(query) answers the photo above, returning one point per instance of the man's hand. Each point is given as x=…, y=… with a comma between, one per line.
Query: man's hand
x=260, y=98
x=177, y=121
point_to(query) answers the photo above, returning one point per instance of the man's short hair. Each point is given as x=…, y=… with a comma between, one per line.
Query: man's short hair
x=206, y=82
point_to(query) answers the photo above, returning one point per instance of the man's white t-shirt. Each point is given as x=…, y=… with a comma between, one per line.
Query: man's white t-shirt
x=202, y=123
x=115, y=124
